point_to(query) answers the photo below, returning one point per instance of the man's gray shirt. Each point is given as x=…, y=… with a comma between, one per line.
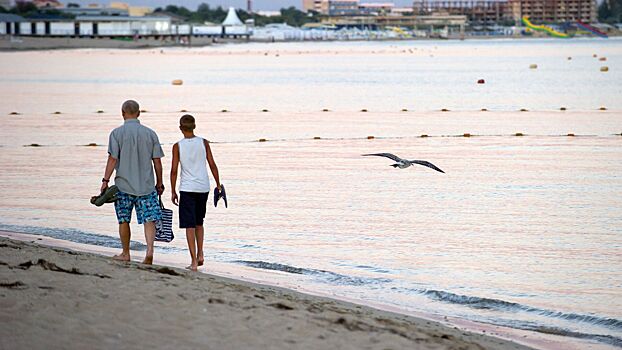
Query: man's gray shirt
x=134, y=146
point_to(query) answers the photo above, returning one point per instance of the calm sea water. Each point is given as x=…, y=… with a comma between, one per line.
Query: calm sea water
x=521, y=231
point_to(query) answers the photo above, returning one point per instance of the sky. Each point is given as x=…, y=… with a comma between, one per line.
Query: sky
x=192, y=4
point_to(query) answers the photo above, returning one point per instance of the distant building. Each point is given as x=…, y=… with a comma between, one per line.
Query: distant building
x=376, y=8
x=343, y=7
x=478, y=12
x=47, y=4
x=269, y=13
x=134, y=11
x=554, y=11
x=489, y=12
x=311, y=5
x=10, y=23
x=95, y=11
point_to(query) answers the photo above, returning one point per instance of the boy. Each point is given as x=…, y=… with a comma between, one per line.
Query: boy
x=193, y=153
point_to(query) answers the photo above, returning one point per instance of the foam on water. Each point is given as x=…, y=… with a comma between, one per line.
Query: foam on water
x=79, y=236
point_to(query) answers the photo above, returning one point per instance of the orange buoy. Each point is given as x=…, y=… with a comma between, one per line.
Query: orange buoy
x=177, y=82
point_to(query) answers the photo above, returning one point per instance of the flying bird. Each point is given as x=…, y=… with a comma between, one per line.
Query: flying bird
x=405, y=163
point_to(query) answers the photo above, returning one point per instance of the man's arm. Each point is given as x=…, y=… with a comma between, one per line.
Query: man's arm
x=157, y=165
x=110, y=164
x=212, y=163
x=174, y=167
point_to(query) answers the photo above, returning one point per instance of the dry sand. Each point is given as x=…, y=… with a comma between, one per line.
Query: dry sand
x=52, y=298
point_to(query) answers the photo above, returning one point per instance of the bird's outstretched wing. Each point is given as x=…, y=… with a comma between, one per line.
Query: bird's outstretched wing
x=387, y=155
x=428, y=164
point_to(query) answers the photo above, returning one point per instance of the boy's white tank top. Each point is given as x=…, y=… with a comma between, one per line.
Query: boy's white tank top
x=193, y=160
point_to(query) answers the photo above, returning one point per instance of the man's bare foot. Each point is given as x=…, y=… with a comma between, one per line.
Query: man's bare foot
x=200, y=260
x=148, y=260
x=192, y=268
x=121, y=257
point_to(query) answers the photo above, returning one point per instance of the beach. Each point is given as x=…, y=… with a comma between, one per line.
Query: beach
x=64, y=299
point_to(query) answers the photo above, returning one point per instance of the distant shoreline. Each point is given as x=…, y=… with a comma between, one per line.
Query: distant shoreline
x=24, y=43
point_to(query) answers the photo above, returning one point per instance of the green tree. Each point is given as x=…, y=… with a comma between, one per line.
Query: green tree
x=610, y=11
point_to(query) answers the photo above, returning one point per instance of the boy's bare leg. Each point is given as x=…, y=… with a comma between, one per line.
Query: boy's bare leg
x=199, y=234
x=190, y=237
x=124, y=234
x=150, y=230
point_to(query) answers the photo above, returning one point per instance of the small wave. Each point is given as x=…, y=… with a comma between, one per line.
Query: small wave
x=77, y=236
x=502, y=305
x=322, y=275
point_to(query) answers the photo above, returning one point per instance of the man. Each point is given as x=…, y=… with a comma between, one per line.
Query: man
x=132, y=148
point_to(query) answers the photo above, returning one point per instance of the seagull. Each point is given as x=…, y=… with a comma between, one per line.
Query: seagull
x=404, y=163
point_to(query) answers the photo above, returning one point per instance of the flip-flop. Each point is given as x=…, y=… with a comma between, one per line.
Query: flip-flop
x=220, y=194
x=108, y=196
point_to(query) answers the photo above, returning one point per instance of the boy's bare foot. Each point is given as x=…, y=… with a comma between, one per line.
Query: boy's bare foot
x=192, y=268
x=148, y=260
x=121, y=257
x=200, y=260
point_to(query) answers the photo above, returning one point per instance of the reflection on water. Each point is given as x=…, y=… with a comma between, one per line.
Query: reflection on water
x=521, y=230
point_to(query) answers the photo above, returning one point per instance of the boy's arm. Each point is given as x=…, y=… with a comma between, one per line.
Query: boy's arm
x=212, y=163
x=174, y=167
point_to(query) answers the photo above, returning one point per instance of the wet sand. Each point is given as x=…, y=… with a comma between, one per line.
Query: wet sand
x=55, y=298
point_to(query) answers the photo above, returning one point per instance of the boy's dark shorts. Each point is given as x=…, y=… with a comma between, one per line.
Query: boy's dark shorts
x=192, y=206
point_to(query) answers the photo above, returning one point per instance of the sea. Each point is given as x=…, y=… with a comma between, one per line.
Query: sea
x=523, y=231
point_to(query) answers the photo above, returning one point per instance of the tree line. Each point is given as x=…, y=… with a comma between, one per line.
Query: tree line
x=205, y=13
x=610, y=11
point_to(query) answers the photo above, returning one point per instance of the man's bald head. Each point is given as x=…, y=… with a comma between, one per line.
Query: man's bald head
x=130, y=109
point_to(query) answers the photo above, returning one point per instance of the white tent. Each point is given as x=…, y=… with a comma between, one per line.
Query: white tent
x=232, y=19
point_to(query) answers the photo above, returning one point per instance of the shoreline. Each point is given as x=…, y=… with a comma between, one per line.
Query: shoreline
x=501, y=337
x=47, y=291
x=25, y=43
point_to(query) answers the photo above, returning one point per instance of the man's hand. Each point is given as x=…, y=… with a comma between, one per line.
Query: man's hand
x=104, y=187
x=160, y=189
x=174, y=198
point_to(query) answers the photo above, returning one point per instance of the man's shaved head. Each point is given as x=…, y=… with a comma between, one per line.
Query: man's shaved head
x=130, y=108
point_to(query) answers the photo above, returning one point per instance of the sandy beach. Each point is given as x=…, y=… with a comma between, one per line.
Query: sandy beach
x=61, y=299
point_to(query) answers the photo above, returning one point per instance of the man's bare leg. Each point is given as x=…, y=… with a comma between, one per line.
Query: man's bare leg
x=150, y=230
x=124, y=234
x=190, y=237
x=199, y=234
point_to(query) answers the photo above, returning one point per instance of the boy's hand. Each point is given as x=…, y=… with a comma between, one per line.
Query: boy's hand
x=104, y=187
x=174, y=198
x=160, y=189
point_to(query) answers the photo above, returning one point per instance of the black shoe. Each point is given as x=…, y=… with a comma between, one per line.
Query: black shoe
x=108, y=196
x=220, y=194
